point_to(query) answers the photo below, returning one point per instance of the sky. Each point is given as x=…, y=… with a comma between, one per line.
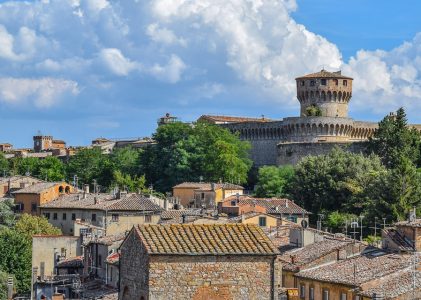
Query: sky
x=82, y=69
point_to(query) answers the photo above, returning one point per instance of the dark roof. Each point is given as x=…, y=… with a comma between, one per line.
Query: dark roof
x=231, y=119
x=178, y=213
x=72, y=262
x=325, y=74
x=38, y=187
x=208, y=186
x=109, y=239
x=272, y=205
x=131, y=202
x=359, y=269
x=215, y=239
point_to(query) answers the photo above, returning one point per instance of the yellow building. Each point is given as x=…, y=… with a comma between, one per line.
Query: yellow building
x=29, y=199
x=199, y=194
x=259, y=219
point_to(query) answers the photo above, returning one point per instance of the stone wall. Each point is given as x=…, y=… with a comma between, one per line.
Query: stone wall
x=210, y=277
x=292, y=153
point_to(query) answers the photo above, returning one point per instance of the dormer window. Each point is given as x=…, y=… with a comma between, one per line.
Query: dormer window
x=345, y=82
x=312, y=83
x=324, y=82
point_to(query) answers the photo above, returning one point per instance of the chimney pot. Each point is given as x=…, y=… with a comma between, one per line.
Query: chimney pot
x=86, y=188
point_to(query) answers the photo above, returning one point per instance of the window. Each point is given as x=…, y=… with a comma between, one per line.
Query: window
x=292, y=219
x=312, y=83
x=64, y=216
x=302, y=291
x=20, y=206
x=148, y=219
x=33, y=207
x=99, y=260
x=203, y=196
x=343, y=296
x=47, y=216
x=311, y=293
x=114, y=217
x=302, y=83
x=345, y=83
x=93, y=218
x=54, y=216
x=73, y=217
x=336, y=81
x=324, y=82
x=233, y=203
x=262, y=221
x=325, y=294
x=60, y=189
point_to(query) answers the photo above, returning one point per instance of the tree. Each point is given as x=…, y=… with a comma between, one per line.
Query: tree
x=15, y=257
x=7, y=215
x=337, y=220
x=126, y=160
x=274, y=181
x=3, y=284
x=394, y=140
x=51, y=169
x=129, y=183
x=4, y=165
x=29, y=226
x=313, y=111
x=338, y=181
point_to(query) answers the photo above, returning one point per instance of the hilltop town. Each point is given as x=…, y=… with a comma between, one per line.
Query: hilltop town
x=315, y=207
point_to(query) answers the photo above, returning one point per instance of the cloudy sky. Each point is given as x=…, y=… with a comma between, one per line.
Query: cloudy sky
x=80, y=69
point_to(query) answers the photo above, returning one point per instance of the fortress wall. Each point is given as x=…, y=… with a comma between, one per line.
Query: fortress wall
x=292, y=153
x=264, y=152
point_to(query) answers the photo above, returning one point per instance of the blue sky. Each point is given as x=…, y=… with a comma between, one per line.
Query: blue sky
x=80, y=69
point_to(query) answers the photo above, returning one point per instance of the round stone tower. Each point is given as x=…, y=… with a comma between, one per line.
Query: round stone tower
x=324, y=94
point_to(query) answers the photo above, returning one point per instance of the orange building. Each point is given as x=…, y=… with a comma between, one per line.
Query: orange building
x=30, y=198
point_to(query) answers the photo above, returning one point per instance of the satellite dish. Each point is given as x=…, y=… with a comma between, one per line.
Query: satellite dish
x=304, y=224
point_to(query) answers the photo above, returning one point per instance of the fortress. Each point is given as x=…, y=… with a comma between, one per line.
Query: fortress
x=323, y=123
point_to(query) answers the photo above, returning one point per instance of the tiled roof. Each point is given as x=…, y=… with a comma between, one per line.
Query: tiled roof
x=231, y=119
x=178, y=213
x=325, y=74
x=110, y=239
x=208, y=186
x=38, y=188
x=359, y=269
x=310, y=253
x=415, y=223
x=248, y=215
x=216, y=239
x=396, y=284
x=113, y=258
x=18, y=178
x=72, y=262
x=272, y=205
x=131, y=202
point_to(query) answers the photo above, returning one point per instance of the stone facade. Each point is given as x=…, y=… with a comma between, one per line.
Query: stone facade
x=324, y=98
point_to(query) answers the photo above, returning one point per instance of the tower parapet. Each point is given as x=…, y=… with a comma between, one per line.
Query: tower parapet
x=324, y=94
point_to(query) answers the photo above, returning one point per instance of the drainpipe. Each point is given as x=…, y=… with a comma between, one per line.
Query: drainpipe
x=272, y=278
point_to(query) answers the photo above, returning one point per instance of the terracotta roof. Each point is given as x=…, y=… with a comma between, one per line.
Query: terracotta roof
x=18, y=178
x=38, y=187
x=72, y=262
x=396, y=284
x=249, y=215
x=296, y=258
x=231, y=119
x=325, y=74
x=216, y=239
x=208, y=186
x=131, y=202
x=359, y=269
x=272, y=205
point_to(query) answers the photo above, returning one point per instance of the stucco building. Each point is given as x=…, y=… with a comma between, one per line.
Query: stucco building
x=323, y=123
x=230, y=261
x=14, y=183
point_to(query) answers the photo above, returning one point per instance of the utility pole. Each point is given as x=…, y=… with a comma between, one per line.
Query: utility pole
x=361, y=235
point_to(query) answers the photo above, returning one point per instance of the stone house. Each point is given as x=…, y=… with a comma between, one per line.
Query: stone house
x=30, y=198
x=202, y=194
x=224, y=261
x=6, y=147
x=278, y=207
x=114, y=213
x=13, y=183
x=405, y=236
x=352, y=278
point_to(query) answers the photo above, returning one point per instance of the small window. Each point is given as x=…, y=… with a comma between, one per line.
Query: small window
x=324, y=82
x=233, y=203
x=302, y=291
x=33, y=207
x=345, y=83
x=203, y=196
x=302, y=83
x=311, y=293
x=325, y=294
x=73, y=217
x=93, y=218
x=343, y=296
x=64, y=216
x=148, y=219
x=61, y=189
x=54, y=216
x=336, y=81
x=262, y=221
x=312, y=83
x=47, y=216
x=114, y=217
x=292, y=219
x=20, y=207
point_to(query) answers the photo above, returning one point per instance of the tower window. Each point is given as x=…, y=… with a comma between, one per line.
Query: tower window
x=345, y=83
x=324, y=82
x=335, y=81
x=302, y=83
x=312, y=83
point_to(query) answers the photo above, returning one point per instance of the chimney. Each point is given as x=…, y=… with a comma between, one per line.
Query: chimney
x=213, y=186
x=96, y=200
x=166, y=203
x=243, y=218
x=183, y=218
x=121, y=194
x=86, y=188
x=287, y=203
x=292, y=259
x=78, y=197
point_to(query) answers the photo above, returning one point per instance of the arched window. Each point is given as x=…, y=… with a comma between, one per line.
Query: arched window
x=67, y=189
x=60, y=189
x=345, y=83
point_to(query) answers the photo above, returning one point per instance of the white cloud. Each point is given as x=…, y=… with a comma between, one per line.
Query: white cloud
x=115, y=61
x=171, y=72
x=43, y=92
x=164, y=35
